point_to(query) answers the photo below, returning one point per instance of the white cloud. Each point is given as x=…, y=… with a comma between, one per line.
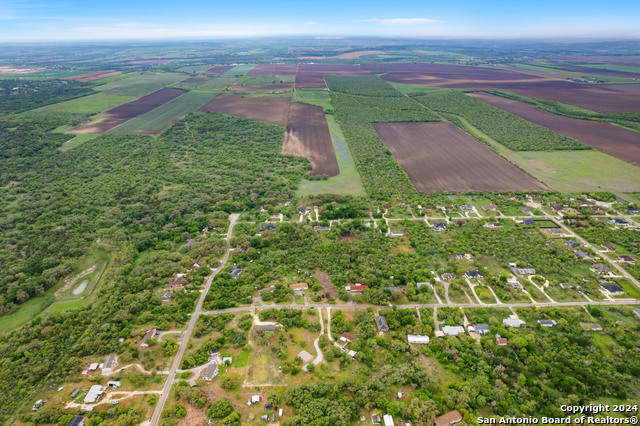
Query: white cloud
x=402, y=21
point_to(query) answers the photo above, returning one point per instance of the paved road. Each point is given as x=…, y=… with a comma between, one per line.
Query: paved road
x=155, y=419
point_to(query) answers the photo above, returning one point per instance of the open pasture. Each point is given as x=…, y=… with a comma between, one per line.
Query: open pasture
x=439, y=157
x=615, y=141
x=128, y=111
x=92, y=76
x=273, y=86
x=308, y=136
x=274, y=69
x=138, y=83
x=267, y=110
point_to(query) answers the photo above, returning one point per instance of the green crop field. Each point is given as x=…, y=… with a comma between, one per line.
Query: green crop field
x=158, y=119
x=139, y=84
x=612, y=67
x=257, y=80
x=238, y=71
x=77, y=140
x=216, y=84
x=90, y=105
x=319, y=97
x=574, y=74
x=348, y=181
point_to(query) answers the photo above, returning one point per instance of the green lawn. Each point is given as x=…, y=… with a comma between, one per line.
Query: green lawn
x=90, y=105
x=158, y=119
x=348, y=182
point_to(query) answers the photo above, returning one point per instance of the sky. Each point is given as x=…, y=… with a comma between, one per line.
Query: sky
x=51, y=20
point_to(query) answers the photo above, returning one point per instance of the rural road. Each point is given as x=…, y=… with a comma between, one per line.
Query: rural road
x=320, y=355
x=155, y=419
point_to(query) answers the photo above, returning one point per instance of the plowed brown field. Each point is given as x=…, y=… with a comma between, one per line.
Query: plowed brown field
x=439, y=157
x=615, y=141
x=308, y=136
x=220, y=69
x=195, y=80
x=91, y=76
x=128, y=111
x=267, y=110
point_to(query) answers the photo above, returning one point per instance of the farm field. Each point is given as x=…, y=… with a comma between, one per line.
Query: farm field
x=128, y=111
x=350, y=55
x=267, y=110
x=439, y=157
x=598, y=98
x=158, y=119
x=138, y=83
x=615, y=141
x=92, y=104
x=238, y=71
x=92, y=76
x=218, y=69
x=317, y=97
x=348, y=182
x=308, y=136
x=273, y=86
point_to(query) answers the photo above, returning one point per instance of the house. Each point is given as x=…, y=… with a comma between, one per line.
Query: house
x=526, y=271
x=469, y=257
x=178, y=281
x=149, y=334
x=448, y=276
x=528, y=222
x=574, y=221
x=473, y=274
x=513, y=321
x=357, y=288
x=347, y=337
x=375, y=419
x=196, y=264
x=601, y=268
x=321, y=228
x=439, y=226
x=502, y=341
x=480, y=328
x=417, y=338
x=619, y=222
x=597, y=209
x=381, y=323
x=114, y=384
x=558, y=232
x=608, y=247
x=466, y=208
x=627, y=259
x=453, y=330
x=632, y=209
x=235, y=272
x=166, y=296
x=262, y=209
x=110, y=364
x=557, y=208
x=352, y=354
x=93, y=366
x=492, y=225
x=591, y=326
x=210, y=372
x=572, y=243
x=583, y=255
x=303, y=210
x=459, y=256
x=547, y=323
x=451, y=418
x=388, y=420
x=94, y=393
x=490, y=207
x=387, y=206
x=270, y=288
x=299, y=286
x=305, y=356
x=261, y=328
x=513, y=282
x=612, y=289
x=76, y=421
x=447, y=208
x=397, y=234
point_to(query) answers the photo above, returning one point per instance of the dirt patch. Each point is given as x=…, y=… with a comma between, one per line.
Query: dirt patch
x=128, y=111
x=325, y=282
x=267, y=110
x=274, y=86
x=439, y=157
x=219, y=69
x=274, y=69
x=78, y=290
x=195, y=80
x=308, y=136
x=91, y=76
x=71, y=279
x=615, y=141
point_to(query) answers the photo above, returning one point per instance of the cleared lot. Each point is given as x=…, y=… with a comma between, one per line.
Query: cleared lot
x=267, y=110
x=439, y=157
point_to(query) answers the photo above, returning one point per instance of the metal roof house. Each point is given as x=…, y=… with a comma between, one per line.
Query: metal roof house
x=417, y=338
x=211, y=372
x=94, y=393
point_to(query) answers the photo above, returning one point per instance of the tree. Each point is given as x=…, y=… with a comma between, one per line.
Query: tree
x=179, y=410
x=219, y=409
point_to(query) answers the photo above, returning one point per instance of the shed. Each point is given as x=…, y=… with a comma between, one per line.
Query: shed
x=481, y=328
x=418, y=338
x=547, y=323
x=305, y=356
x=388, y=420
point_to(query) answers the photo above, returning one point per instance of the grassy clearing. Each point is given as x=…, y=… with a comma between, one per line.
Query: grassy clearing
x=158, y=119
x=139, y=84
x=238, y=71
x=485, y=295
x=255, y=80
x=216, y=85
x=78, y=140
x=26, y=313
x=91, y=104
x=573, y=74
x=410, y=89
x=348, y=182
x=319, y=97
